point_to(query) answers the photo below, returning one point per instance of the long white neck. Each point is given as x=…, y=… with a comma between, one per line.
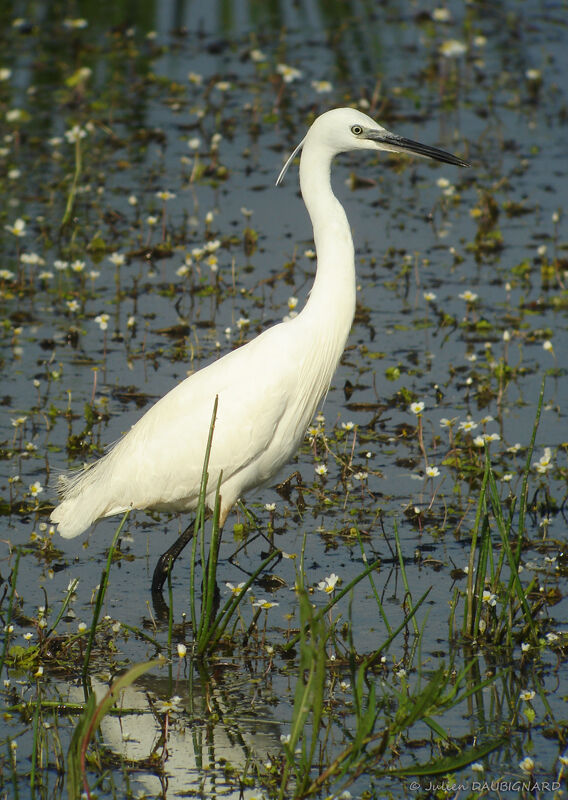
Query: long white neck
x=332, y=298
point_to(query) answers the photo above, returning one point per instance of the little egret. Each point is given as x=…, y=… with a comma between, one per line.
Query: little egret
x=268, y=390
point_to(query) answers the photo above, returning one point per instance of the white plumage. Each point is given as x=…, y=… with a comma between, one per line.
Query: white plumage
x=268, y=389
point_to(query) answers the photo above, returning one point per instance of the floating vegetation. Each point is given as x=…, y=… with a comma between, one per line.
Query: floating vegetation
x=391, y=617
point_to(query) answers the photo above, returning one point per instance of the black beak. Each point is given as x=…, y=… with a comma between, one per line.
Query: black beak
x=398, y=144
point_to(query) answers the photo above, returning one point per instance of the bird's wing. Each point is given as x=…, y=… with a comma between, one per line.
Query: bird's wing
x=159, y=462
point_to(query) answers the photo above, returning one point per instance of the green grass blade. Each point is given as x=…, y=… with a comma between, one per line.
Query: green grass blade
x=449, y=764
x=403, y=573
x=468, y=623
x=13, y=581
x=88, y=724
x=527, y=469
x=373, y=587
x=339, y=595
x=199, y=526
x=100, y=598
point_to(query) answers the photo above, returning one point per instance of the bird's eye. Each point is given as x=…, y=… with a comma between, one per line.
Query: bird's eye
x=357, y=130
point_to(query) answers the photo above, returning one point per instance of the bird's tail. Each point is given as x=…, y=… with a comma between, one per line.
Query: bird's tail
x=83, y=500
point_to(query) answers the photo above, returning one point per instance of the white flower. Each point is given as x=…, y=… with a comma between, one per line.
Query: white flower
x=117, y=259
x=441, y=15
x=417, y=408
x=266, y=604
x=527, y=765
x=257, y=55
x=102, y=321
x=75, y=24
x=322, y=87
x=429, y=296
x=547, y=345
x=166, y=706
x=14, y=115
x=18, y=228
x=328, y=584
x=165, y=195
x=468, y=425
x=526, y=695
x=432, y=472
x=321, y=469
x=36, y=488
x=77, y=265
x=490, y=599
x=533, y=75
x=288, y=73
x=468, y=296
x=545, y=462
x=75, y=134
x=453, y=48
x=181, y=650
x=235, y=589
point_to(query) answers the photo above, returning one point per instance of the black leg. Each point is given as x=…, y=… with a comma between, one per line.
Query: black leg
x=167, y=559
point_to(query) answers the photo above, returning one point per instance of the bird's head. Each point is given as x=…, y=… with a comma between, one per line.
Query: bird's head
x=344, y=129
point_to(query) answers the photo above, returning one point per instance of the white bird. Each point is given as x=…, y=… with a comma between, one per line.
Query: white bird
x=268, y=390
